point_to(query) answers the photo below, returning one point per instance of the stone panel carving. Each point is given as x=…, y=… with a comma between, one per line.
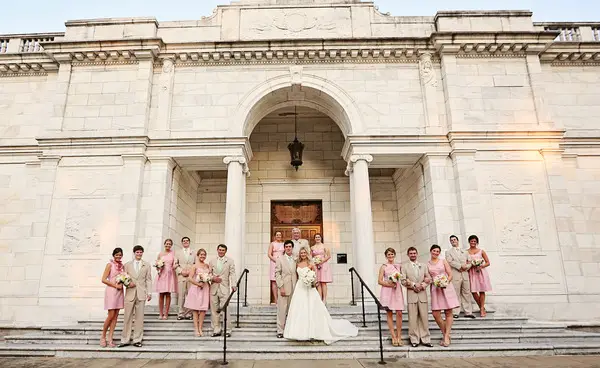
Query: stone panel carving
x=83, y=225
x=295, y=23
x=502, y=177
x=528, y=274
x=428, y=77
x=515, y=222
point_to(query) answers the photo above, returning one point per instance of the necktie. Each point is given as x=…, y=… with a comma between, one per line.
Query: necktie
x=137, y=266
x=219, y=265
x=290, y=259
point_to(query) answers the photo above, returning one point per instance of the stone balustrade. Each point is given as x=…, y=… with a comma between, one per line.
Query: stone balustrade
x=26, y=43
x=572, y=32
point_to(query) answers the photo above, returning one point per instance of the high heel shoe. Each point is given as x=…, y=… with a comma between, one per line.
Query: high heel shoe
x=103, y=342
x=111, y=344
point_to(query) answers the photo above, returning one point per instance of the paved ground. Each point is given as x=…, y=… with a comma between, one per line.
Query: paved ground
x=520, y=362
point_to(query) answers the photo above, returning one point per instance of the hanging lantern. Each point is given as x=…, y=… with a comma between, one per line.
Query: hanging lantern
x=296, y=147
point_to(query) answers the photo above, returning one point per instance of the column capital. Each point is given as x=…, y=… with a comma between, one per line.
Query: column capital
x=367, y=158
x=239, y=159
x=349, y=169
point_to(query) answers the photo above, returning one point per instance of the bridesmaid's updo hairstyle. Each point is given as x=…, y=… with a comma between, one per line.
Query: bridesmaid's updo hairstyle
x=474, y=237
x=434, y=247
x=200, y=251
x=390, y=250
x=117, y=251
x=168, y=240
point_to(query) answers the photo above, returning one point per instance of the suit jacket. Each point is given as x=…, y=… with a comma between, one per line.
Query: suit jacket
x=227, y=276
x=285, y=275
x=416, y=275
x=184, y=262
x=142, y=281
x=299, y=244
x=456, y=258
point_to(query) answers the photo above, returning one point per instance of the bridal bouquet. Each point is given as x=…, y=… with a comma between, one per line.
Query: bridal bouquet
x=203, y=277
x=441, y=281
x=395, y=277
x=308, y=277
x=317, y=261
x=159, y=264
x=477, y=263
x=124, y=279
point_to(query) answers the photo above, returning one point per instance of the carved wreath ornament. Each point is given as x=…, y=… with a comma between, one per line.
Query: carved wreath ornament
x=293, y=22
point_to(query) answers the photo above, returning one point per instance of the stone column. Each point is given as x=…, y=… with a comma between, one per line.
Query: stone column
x=234, y=208
x=60, y=93
x=132, y=178
x=467, y=193
x=355, y=251
x=363, y=219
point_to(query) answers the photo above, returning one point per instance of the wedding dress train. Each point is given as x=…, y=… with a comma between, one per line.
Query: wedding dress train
x=308, y=318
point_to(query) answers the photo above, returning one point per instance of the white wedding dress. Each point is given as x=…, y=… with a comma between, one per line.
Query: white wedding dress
x=308, y=318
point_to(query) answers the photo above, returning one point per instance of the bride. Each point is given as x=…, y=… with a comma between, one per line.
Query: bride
x=308, y=318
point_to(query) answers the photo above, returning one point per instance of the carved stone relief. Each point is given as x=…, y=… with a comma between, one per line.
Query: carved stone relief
x=515, y=222
x=428, y=77
x=83, y=225
x=531, y=274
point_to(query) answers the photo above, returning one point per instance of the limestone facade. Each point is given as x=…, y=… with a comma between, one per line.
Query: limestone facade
x=119, y=132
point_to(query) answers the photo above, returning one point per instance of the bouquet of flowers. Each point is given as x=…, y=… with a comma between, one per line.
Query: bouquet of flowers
x=203, y=277
x=440, y=281
x=159, y=264
x=124, y=279
x=395, y=277
x=317, y=261
x=308, y=277
x=477, y=263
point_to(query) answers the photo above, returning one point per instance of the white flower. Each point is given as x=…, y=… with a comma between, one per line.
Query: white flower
x=441, y=281
x=124, y=279
x=308, y=277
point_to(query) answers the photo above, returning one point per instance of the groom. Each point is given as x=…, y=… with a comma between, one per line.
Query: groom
x=285, y=277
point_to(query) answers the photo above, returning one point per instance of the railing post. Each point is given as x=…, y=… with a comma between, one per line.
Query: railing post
x=237, y=319
x=246, y=289
x=225, y=362
x=381, y=361
x=353, y=302
x=362, y=297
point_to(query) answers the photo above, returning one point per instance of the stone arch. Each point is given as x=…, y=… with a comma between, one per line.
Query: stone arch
x=310, y=91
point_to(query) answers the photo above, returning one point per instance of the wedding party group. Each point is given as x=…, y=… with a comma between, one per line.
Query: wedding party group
x=299, y=274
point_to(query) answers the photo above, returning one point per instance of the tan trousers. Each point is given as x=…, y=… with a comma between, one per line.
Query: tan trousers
x=463, y=290
x=133, y=308
x=283, y=305
x=182, y=290
x=418, y=324
x=216, y=319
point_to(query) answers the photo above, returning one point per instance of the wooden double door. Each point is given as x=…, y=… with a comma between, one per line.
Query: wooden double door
x=304, y=215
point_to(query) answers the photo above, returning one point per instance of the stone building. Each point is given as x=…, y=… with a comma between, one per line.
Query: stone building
x=119, y=132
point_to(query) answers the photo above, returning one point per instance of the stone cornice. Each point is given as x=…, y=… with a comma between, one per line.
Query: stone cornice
x=492, y=44
x=26, y=64
x=572, y=53
x=505, y=140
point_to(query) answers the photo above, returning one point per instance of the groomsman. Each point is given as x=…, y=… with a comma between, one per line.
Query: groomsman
x=416, y=278
x=458, y=259
x=136, y=296
x=186, y=258
x=298, y=243
x=223, y=283
x=285, y=277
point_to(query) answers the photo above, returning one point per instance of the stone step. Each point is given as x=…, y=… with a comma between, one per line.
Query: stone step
x=304, y=351
x=182, y=329
x=271, y=340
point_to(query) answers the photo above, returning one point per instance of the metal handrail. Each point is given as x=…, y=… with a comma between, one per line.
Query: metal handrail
x=245, y=273
x=364, y=286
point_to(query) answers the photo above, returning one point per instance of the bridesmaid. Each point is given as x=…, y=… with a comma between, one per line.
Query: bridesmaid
x=113, y=296
x=198, y=294
x=166, y=281
x=324, y=275
x=442, y=299
x=478, y=276
x=391, y=295
x=274, y=252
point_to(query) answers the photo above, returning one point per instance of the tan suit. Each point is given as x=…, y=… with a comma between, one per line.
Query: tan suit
x=456, y=258
x=299, y=244
x=219, y=292
x=135, y=300
x=286, y=278
x=418, y=323
x=185, y=261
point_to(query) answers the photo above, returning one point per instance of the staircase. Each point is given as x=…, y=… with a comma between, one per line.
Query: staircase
x=495, y=335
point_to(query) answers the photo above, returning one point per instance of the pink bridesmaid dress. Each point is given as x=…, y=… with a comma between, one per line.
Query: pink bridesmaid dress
x=479, y=279
x=277, y=252
x=391, y=298
x=114, y=298
x=198, y=298
x=441, y=298
x=166, y=282
x=324, y=273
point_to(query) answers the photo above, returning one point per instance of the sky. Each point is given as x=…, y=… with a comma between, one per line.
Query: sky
x=50, y=16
